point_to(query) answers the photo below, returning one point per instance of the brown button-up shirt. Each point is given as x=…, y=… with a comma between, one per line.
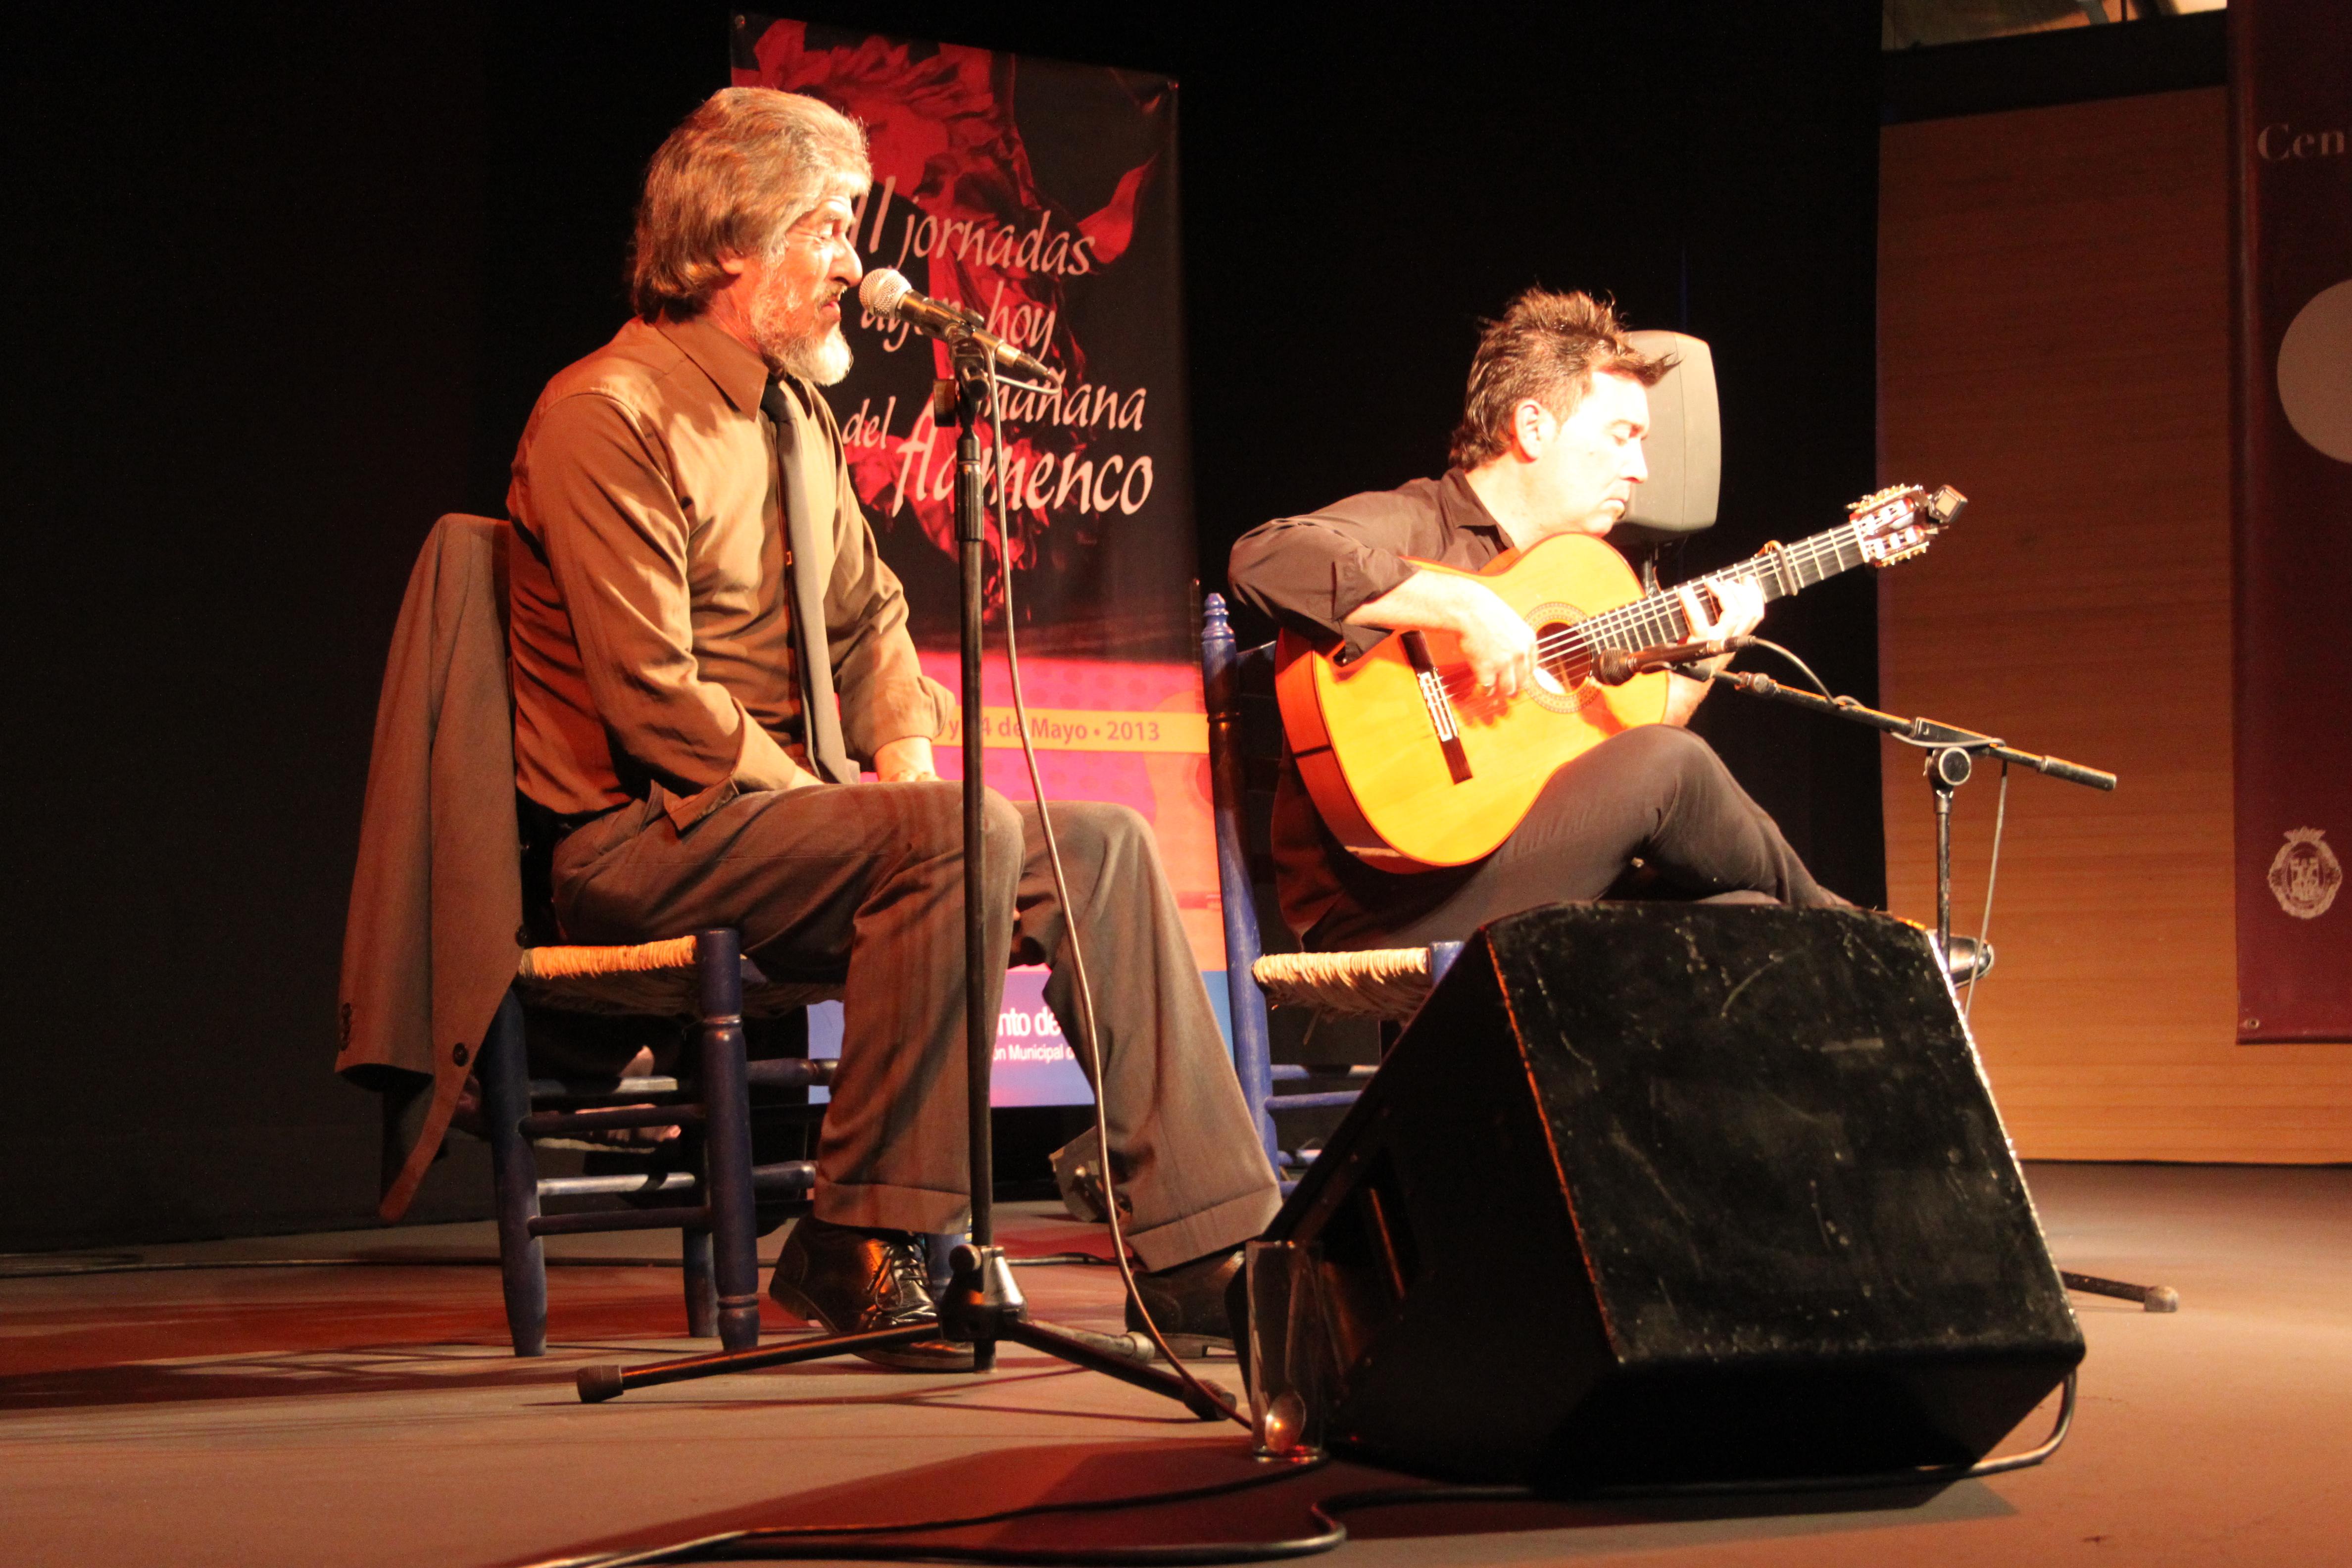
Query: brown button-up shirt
x=651, y=617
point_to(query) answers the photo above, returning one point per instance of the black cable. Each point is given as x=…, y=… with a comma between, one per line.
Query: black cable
x=1802, y=667
x=809, y=1541
x=177, y=1266
x=2001, y=811
x=706, y=1546
x=1992, y=879
x=1083, y=990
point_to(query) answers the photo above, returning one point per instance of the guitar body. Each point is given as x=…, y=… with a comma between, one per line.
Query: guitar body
x=1414, y=769
x=1390, y=784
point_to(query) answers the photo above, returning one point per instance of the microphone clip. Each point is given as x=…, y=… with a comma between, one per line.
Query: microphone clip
x=1616, y=665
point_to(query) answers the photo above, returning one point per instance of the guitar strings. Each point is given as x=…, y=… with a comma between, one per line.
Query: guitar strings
x=1658, y=619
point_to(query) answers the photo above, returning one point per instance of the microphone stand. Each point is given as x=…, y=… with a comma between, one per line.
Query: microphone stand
x=982, y=1304
x=1951, y=753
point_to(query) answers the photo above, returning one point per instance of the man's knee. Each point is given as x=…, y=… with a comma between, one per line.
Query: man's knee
x=929, y=816
x=1645, y=770
x=1001, y=828
x=1669, y=744
x=1100, y=835
x=928, y=821
x=1669, y=752
x=1105, y=849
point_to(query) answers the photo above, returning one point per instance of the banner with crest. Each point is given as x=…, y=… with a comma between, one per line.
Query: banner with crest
x=2292, y=124
x=1043, y=195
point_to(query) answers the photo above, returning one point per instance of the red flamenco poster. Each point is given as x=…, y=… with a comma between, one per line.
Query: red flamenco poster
x=1042, y=195
x=2291, y=123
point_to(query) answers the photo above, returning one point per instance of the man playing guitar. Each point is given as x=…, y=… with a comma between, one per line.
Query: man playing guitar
x=1549, y=444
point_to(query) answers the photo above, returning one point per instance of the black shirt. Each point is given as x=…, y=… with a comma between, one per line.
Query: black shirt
x=1310, y=574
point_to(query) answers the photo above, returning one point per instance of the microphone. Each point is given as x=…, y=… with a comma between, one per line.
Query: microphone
x=888, y=295
x=1616, y=665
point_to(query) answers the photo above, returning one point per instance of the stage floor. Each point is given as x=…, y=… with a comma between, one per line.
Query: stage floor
x=370, y=1413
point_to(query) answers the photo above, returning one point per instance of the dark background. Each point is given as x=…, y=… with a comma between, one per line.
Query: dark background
x=284, y=287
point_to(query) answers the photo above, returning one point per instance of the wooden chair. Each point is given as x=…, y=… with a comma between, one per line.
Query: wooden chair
x=434, y=958
x=1384, y=984
x=718, y=1198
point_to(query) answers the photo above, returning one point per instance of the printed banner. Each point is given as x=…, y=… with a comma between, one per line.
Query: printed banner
x=2291, y=61
x=1043, y=195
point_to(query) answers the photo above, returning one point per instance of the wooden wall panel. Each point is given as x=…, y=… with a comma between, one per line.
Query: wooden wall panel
x=2054, y=338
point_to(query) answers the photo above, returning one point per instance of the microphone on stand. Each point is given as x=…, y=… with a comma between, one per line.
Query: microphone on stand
x=1616, y=665
x=888, y=295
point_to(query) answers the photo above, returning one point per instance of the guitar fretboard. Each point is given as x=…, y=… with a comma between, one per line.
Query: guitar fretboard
x=1658, y=619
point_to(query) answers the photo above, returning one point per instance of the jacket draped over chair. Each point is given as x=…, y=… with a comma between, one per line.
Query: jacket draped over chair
x=433, y=937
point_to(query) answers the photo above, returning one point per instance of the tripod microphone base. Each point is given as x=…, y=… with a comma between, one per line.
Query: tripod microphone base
x=606, y=1381
x=983, y=1305
x=1067, y=1344
x=2151, y=1298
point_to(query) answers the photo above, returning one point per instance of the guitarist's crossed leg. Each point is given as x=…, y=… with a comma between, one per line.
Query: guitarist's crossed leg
x=1650, y=813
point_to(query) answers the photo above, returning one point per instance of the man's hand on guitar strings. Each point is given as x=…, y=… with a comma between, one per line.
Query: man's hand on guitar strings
x=1738, y=606
x=1739, y=609
x=1499, y=646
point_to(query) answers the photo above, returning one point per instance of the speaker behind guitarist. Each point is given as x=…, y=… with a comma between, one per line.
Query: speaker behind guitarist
x=1549, y=443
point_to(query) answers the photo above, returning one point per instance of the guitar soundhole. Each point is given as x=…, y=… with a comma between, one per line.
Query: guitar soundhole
x=1564, y=681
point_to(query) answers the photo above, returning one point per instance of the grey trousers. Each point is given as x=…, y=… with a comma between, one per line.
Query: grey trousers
x=864, y=884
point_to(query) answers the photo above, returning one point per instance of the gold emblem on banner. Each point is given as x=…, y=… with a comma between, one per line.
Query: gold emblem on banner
x=2306, y=874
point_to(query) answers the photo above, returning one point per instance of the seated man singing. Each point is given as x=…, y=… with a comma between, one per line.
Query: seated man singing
x=683, y=497
x=1550, y=443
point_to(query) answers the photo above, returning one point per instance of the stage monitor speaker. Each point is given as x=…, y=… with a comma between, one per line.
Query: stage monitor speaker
x=1650, y=1192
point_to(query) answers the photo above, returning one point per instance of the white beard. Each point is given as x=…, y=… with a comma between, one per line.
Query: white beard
x=821, y=357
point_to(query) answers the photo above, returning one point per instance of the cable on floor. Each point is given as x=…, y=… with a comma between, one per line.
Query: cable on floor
x=838, y=1542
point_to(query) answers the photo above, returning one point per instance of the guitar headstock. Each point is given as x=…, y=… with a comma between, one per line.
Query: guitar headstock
x=1897, y=523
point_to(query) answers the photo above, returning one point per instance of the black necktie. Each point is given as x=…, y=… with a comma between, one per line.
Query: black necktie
x=804, y=515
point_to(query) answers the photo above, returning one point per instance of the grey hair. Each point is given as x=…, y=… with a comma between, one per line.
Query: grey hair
x=731, y=179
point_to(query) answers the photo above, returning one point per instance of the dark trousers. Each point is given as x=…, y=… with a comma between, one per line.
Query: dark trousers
x=1656, y=793
x=864, y=884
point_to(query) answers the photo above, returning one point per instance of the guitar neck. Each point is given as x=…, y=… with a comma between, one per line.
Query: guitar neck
x=1659, y=619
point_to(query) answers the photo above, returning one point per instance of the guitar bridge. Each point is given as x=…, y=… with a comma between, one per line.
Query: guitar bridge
x=1442, y=717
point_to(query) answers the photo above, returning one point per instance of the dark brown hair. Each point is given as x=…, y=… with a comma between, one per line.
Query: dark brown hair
x=1547, y=346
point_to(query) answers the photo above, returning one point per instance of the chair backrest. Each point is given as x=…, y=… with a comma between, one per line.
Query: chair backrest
x=1238, y=685
x=1244, y=763
x=1685, y=447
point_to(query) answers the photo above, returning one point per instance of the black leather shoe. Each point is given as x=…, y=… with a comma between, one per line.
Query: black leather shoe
x=1188, y=1302
x=847, y=1280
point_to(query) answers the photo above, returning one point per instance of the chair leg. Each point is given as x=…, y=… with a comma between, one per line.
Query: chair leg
x=1252, y=1053
x=514, y=1177
x=1221, y=674
x=701, y=1292
x=727, y=1140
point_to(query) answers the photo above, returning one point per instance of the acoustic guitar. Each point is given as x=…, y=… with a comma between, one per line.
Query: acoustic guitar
x=1414, y=767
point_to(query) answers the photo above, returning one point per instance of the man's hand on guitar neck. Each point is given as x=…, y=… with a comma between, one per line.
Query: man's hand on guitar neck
x=1739, y=609
x=1499, y=646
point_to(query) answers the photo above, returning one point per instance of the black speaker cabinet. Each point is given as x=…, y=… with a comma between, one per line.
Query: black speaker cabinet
x=1653, y=1192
